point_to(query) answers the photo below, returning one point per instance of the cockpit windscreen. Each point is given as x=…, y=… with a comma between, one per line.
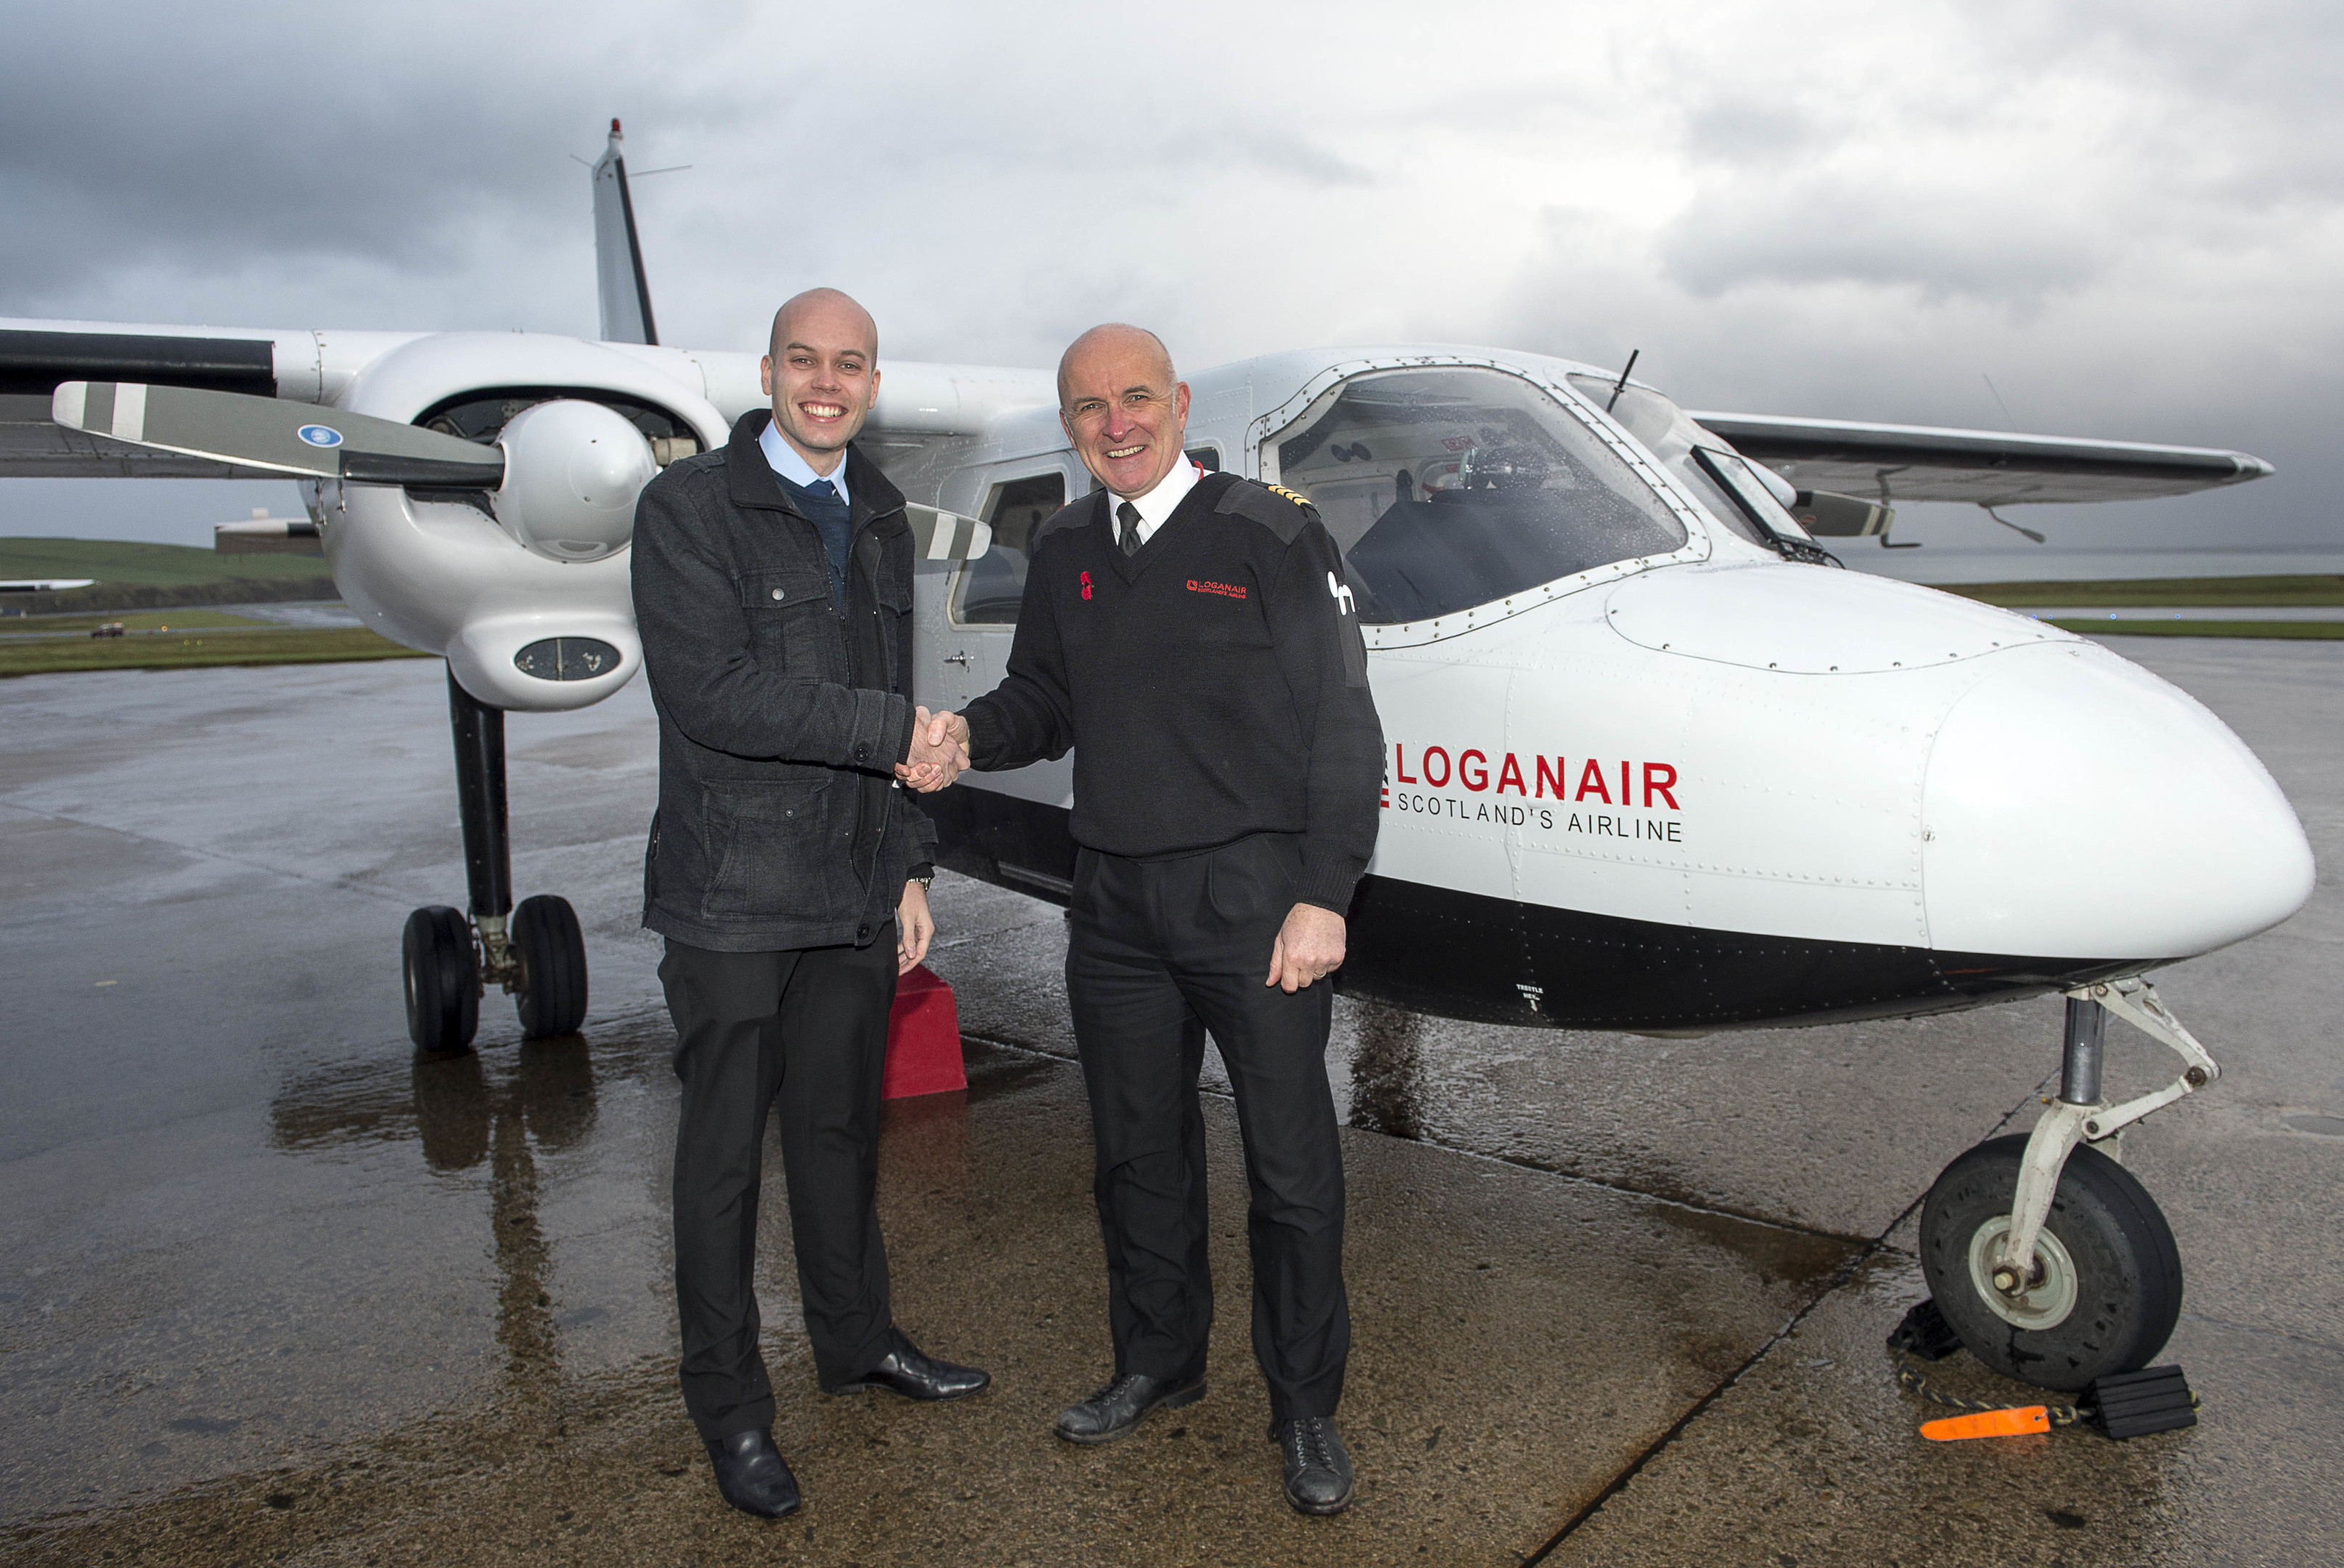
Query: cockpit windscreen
x=1452, y=488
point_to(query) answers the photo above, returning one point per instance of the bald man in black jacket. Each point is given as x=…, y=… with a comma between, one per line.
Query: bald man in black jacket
x=788, y=872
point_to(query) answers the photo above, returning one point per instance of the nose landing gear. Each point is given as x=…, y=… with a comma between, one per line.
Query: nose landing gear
x=536, y=952
x=2048, y=1256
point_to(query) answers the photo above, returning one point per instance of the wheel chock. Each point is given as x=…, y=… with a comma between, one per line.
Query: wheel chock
x=1989, y=1423
x=1925, y=1334
x=2121, y=1405
x=2133, y=1404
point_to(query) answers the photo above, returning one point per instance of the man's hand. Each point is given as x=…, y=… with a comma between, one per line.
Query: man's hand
x=1310, y=947
x=914, y=928
x=938, y=751
x=950, y=727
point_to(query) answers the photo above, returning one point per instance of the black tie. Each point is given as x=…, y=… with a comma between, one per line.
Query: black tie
x=1130, y=516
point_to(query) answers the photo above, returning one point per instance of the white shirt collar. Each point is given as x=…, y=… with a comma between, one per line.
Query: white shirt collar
x=1156, y=507
x=790, y=463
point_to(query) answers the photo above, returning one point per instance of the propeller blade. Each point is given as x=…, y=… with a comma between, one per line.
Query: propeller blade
x=940, y=535
x=274, y=435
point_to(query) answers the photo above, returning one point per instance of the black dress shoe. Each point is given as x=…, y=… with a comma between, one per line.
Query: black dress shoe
x=1116, y=1409
x=751, y=1474
x=1317, y=1466
x=906, y=1371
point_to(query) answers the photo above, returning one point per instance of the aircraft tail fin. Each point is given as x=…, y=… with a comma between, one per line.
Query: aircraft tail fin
x=626, y=293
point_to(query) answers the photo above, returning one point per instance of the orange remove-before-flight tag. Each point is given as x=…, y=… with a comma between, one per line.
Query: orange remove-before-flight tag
x=1989, y=1423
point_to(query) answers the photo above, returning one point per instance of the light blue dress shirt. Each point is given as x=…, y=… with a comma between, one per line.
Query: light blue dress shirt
x=787, y=461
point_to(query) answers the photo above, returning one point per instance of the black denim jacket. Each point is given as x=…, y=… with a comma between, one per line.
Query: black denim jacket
x=780, y=824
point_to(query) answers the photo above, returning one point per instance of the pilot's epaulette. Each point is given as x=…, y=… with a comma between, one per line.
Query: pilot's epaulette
x=1275, y=506
x=1074, y=514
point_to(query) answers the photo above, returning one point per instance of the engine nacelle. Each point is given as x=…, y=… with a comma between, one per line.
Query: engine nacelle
x=545, y=663
x=572, y=471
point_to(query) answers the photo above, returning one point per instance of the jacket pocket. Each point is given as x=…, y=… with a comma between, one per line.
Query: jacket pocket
x=775, y=853
x=791, y=630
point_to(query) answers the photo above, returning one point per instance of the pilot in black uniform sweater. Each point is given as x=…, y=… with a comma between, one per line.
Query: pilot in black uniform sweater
x=1228, y=761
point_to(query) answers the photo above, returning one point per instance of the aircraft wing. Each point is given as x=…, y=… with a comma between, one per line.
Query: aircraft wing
x=1982, y=468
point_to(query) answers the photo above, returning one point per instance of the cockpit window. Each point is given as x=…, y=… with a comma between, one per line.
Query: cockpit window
x=1450, y=488
x=1747, y=489
x=1669, y=434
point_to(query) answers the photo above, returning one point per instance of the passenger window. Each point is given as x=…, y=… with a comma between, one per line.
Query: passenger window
x=992, y=585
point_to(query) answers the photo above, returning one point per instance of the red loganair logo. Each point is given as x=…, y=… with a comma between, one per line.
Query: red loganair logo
x=1087, y=585
x=1553, y=794
x=1225, y=590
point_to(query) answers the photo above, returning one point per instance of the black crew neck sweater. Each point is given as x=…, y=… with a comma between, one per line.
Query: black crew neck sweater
x=1213, y=685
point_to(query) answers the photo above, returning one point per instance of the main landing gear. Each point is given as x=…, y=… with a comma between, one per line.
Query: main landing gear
x=2047, y=1256
x=535, y=952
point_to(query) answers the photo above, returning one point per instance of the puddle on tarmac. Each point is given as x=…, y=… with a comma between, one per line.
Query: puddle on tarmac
x=1388, y=1085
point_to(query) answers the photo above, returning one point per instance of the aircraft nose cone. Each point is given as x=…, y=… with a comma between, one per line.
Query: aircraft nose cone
x=2077, y=806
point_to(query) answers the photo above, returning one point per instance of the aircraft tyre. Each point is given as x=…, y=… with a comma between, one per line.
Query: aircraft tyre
x=552, y=951
x=443, y=980
x=2109, y=1287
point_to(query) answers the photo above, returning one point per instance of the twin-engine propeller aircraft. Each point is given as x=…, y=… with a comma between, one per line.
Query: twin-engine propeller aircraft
x=1653, y=764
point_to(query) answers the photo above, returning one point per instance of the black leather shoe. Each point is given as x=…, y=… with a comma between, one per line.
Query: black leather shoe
x=907, y=1372
x=751, y=1474
x=1317, y=1466
x=1116, y=1409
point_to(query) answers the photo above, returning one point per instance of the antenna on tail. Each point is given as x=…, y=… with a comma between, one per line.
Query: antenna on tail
x=626, y=293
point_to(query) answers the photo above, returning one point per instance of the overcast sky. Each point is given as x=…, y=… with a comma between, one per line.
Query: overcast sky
x=2129, y=216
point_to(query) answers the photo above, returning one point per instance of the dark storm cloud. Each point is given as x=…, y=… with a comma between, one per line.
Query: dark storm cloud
x=1823, y=230
x=2131, y=217
x=287, y=139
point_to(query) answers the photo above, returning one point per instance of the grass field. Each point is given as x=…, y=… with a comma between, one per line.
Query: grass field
x=276, y=645
x=2300, y=631
x=124, y=563
x=186, y=617
x=2149, y=591
x=131, y=575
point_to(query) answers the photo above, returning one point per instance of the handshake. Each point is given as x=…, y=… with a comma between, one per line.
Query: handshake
x=939, y=752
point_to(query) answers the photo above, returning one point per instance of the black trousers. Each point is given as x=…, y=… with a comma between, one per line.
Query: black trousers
x=807, y=1029
x=1159, y=952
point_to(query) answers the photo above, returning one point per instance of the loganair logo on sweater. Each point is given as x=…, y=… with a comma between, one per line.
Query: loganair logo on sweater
x=1087, y=585
x=1225, y=590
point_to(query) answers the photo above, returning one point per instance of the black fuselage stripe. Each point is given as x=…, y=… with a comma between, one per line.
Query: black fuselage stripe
x=34, y=363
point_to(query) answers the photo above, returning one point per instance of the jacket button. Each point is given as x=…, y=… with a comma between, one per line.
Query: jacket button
x=862, y=933
x=777, y=593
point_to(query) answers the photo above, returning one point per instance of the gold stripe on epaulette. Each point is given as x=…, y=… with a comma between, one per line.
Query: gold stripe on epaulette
x=1296, y=500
